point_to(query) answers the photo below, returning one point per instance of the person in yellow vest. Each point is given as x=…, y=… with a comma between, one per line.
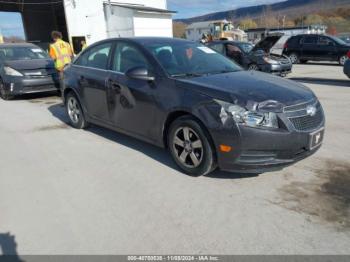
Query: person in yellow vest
x=60, y=51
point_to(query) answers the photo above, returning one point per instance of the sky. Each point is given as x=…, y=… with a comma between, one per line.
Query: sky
x=11, y=24
x=191, y=8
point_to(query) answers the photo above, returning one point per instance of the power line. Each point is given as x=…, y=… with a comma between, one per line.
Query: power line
x=32, y=3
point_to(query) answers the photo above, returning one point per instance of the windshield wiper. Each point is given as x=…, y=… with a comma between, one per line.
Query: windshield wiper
x=221, y=72
x=187, y=75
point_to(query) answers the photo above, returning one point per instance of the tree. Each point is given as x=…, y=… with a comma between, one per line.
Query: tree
x=313, y=19
x=247, y=23
x=179, y=29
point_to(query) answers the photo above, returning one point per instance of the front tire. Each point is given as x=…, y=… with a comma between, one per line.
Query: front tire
x=75, y=112
x=190, y=147
x=3, y=94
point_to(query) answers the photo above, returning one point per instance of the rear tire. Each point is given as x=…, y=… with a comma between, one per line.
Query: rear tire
x=294, y=58
x=3, y=94
x=190, y=147
x=75, y=112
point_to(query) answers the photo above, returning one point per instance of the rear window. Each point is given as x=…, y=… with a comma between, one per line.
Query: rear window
x=22, y=53
x=295, y=40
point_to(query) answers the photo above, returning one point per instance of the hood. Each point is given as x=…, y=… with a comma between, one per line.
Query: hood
x=267, y=43
x=32, y=64
x=247, y=86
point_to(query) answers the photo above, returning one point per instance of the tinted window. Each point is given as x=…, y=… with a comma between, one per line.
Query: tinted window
x=22, y=53
x=295, y=40
x=246, y=47
x=127, y=57
x=184, y=58
x=325, y=41
x=97, y=57
x=233, y=49
x=310, y=40
x=218, y=48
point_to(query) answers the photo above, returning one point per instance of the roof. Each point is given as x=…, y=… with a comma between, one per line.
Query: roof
x=228, y=42
x=280, y=28
x=142, y=8
x=146, y=40
x=17, y=45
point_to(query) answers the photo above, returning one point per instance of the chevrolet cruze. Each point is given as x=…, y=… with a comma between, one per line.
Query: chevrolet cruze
x=203, y=107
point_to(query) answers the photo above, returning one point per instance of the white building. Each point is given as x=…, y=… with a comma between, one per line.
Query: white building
x=91, y=20
x=99, y=19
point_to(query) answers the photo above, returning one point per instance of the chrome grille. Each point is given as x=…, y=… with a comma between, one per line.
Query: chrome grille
x=307, y=123
x=300, y=107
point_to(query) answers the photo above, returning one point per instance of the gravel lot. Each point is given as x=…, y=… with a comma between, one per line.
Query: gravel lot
x=66, y=191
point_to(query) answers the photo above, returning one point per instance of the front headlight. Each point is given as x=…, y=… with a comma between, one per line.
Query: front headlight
x=246, y=117
x=270, y=61
x=11, y=72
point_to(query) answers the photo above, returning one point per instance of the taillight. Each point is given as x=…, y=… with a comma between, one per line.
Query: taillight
x=285, y=46
x=349, y=54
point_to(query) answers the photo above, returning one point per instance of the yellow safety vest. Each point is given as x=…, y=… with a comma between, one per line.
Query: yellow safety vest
x=63, y=54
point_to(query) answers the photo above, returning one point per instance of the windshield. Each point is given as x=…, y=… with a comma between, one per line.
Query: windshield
x=246, y=47
x=22, y=53
x=190, y=59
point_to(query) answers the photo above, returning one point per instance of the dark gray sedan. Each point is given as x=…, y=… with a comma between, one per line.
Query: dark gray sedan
x=197, y=103
x=26, y=68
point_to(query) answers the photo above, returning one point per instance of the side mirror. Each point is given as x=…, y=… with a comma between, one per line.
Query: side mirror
x=139, y=73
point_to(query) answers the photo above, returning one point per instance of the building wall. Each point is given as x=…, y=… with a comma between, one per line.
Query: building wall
x=86, y=18
x=96, y=21
x=153, y=25
x=119, y=21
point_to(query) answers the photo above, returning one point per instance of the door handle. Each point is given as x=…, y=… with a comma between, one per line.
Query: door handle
x=114, y=85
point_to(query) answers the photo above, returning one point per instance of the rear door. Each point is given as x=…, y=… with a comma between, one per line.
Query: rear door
x=132, y=104
x=309, y=47
x=92, y=72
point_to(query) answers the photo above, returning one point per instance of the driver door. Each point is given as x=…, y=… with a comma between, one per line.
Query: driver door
x=131, y=101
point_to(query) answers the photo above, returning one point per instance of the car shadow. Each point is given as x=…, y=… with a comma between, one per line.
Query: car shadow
x=322, y=81
x=8, y=248
x=154, y=152
x=36, y=96
x=322, y=64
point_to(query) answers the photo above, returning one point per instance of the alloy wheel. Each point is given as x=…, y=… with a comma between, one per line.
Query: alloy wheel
x=73, y=110
x=293, y=58
x=253, y=67
x=342, y=60
x=188, y=147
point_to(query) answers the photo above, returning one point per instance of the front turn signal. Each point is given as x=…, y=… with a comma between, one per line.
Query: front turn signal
x=225, y=148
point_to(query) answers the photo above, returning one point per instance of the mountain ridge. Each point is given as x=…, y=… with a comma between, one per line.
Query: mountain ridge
x=288, y=7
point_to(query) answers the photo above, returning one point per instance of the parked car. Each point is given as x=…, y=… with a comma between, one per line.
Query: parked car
x=254, y=58
x=26, y=68
x=200, y=105
x=302, y=48
x=347, y=66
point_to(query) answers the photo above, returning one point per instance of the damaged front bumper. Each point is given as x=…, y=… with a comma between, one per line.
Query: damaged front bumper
x=259, y=150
